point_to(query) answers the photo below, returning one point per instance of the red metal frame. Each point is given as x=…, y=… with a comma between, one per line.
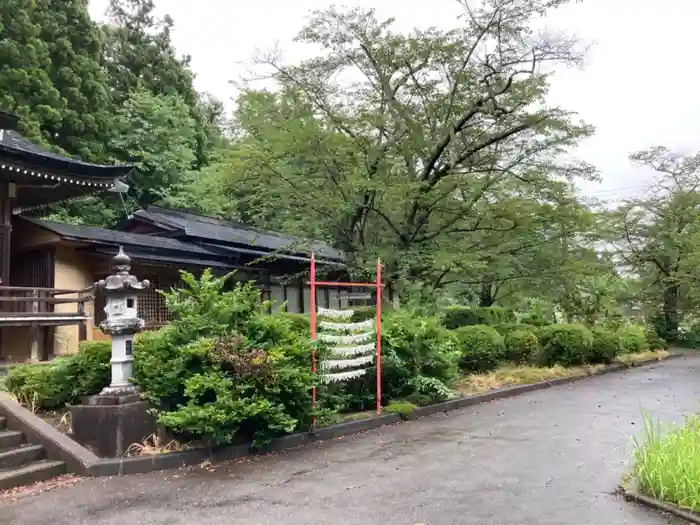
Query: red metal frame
x=378, y=285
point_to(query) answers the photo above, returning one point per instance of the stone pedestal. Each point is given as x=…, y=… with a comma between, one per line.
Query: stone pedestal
x=110, y=424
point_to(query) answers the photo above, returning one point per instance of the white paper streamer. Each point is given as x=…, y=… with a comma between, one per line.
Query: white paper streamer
x=348, y=327
x=343, y=376
x=347, y=363
x=335, y=314
x=353, y=350
x=346, y=339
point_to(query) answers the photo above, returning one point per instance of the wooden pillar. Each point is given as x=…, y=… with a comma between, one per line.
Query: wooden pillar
x=34, y=329
x=7, y=190
x=82, y=327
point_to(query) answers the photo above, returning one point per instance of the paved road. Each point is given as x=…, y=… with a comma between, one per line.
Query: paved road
x=550, y=457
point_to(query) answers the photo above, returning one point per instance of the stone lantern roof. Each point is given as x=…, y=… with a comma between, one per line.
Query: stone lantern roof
x=121, y=281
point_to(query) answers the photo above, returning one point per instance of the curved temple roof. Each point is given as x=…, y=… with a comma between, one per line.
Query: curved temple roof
x=43, y=177
x=15, y=145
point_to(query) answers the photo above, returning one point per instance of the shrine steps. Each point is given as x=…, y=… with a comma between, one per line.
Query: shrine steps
x=23, y=463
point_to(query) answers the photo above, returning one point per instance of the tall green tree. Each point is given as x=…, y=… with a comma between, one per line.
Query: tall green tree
x=657, y=237
x=140, y=53
x=51, y=74
x=405, y=146
x=158, y=135
x=140, y=56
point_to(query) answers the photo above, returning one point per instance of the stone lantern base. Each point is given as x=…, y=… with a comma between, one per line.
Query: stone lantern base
x=109, y=424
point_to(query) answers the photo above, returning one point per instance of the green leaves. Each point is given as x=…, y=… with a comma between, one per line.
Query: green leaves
x=116, y=93
x=427, y=149
x=158, y=134
x=223, y=369
x=657, y=237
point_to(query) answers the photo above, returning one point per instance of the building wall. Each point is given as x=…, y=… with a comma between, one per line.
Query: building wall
x=75, y=270
x=27, y=236
x=15, y=341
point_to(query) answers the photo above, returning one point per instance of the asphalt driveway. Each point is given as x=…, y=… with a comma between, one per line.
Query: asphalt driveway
x=550, y=457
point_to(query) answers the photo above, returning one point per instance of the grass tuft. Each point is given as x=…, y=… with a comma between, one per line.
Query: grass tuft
x=403, y=408
x=642, y=356
x=510, y=375
x=666, y=462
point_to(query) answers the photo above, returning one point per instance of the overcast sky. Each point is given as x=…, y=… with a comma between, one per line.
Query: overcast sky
x=638, y=88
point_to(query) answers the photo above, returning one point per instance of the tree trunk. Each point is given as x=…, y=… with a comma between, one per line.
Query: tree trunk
x=486, y=297
x=671, y=300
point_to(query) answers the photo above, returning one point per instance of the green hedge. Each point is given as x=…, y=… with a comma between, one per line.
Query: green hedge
x=299, y=323
x=521, y=346
x=482, y=348
x=564, y=344
x=458, y=316
x=65, y=381
x=419, y=362
x=654, y=341
x=606, y=346
x=224, y=370
x=633, y=339
x=537, y=320
x=506, y=328
x=362, y=313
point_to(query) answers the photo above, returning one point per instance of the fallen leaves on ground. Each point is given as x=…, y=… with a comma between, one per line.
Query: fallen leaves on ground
x=17, y=493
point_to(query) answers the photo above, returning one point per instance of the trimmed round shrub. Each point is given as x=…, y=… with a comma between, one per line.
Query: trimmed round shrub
x=633, y=339
x=66, y=380
x=506, y=328
x=458, y=316
x=537, y=320
x=419, y=361
x=300, y=323
x=659, y=324
x=362, y=313
x=654, y=341
x=419, y=357
x=222, y=370
x=564, y=344
x=606, y=346
x=521, y=345
x=482, y=348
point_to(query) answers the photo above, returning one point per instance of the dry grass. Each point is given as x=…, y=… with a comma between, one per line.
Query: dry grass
x=153, y=445
x=510, y=375
x=643, y=356
x=65, y=424
x=60, y=419
x=27, y=402
x=356, y=416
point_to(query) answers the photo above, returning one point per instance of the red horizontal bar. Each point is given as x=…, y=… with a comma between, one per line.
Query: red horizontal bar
x=326, y=283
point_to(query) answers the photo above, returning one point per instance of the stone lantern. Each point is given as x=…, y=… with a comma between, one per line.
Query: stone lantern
x=121, y=290
x=117, y=417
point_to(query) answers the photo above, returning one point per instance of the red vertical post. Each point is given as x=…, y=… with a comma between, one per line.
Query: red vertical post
x=312, y=302
x=379, y=336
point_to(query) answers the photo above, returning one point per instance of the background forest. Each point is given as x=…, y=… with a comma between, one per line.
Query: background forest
x=435, y=150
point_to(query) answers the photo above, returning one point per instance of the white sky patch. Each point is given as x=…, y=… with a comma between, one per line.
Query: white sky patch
x=638, y=87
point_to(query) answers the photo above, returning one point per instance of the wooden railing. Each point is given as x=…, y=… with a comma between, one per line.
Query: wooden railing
x=28, y=301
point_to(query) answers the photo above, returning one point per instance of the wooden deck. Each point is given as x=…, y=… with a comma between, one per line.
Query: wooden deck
x=29, y=306
x=41, y=309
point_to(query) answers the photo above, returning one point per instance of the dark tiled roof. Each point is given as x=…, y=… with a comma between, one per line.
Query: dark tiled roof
x=185, y=259
x=8, y=120
x=230, y=232
x=101, y=235
x=12, y=143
